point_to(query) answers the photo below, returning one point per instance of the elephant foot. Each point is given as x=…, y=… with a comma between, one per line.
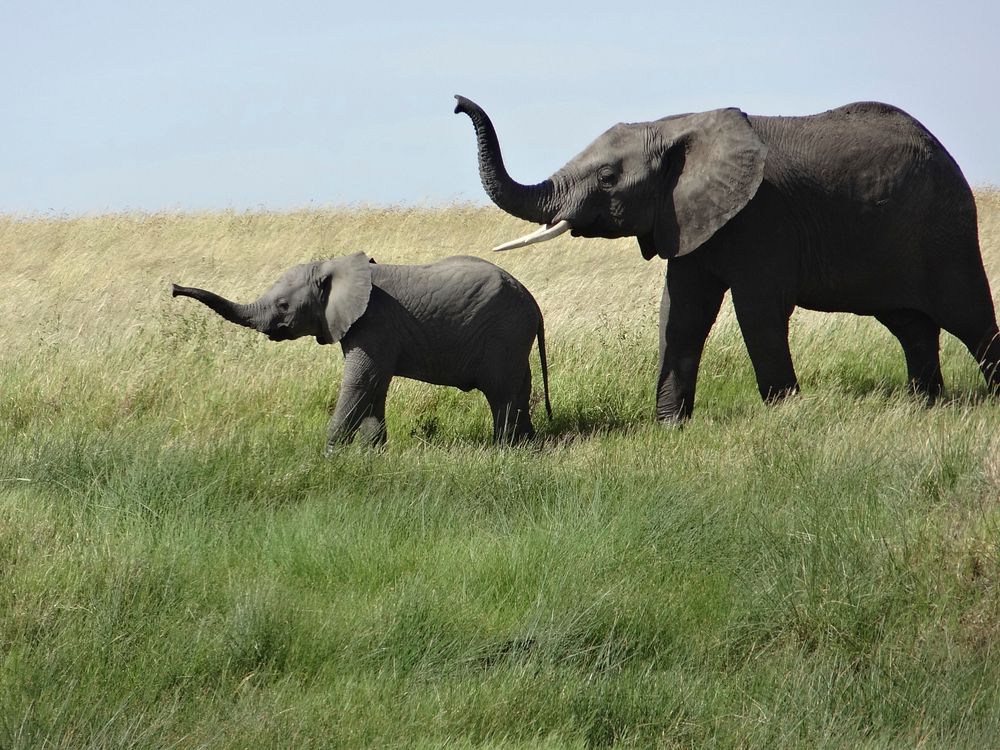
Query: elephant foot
x=372, y=432
x=672, y=423
x=511, y=425
x=517, y=437
x=774, y=394
x=927, y=394
x=673, y=414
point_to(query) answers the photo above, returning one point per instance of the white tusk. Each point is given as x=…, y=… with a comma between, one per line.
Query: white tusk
x=545, y=232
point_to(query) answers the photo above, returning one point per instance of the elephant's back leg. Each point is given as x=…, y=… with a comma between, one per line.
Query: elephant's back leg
x=982, y=338
x=510, y=408
x=505, y=379
x=942, y=236
x=919, y=336
x=962, y=304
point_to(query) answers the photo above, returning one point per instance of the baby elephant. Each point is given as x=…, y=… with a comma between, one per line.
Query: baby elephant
x=461, y=321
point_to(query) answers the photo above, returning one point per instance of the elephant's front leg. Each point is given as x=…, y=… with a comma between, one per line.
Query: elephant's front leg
x=688, y=309
x=763, y=319
x=361, y=404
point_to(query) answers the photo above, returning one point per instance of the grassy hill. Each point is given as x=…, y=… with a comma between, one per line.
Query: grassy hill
x=179, y=566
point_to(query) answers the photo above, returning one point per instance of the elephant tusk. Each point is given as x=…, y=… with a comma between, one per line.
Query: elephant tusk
x=545, y=232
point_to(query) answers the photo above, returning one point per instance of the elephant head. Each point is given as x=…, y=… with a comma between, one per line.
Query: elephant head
x=672, y=183
x=322, y=299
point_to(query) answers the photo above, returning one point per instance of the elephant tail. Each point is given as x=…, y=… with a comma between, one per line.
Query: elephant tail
x=545, y=367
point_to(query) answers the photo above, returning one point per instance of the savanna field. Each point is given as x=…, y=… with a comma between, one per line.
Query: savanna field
x=181, y=567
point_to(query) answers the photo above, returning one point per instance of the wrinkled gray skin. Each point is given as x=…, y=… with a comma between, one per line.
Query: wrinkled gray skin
x=859, y=209
x=461, y=322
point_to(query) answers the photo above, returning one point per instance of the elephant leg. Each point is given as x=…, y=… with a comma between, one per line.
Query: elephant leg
x=965, y=309
x=688, y=309
x=978, y=331
x=919, y=336
x=361, y=404
x=764, y=323
x=511, y=411
x=359, y=411
x=985, y=347
x=988, y=355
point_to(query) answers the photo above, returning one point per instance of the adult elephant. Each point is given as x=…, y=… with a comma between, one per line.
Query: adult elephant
x=859, y=209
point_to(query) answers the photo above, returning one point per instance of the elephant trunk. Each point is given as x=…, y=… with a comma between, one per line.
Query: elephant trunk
x=535, y=203
x=234, y=312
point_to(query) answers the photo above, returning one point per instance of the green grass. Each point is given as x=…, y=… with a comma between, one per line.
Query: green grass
x=179, y=566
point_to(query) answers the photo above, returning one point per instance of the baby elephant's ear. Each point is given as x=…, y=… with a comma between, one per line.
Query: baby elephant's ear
x=348, y=282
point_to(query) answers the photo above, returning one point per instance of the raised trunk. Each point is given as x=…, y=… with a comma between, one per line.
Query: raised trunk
x=529, y=202
x=234, y=312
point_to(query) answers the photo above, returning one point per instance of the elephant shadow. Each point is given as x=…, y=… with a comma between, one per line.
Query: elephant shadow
x=568, y=429
x=571, y=428
x=575, y=426
x=898, y=390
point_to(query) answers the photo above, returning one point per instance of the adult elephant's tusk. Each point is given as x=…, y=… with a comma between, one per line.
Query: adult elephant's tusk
x=545, y=232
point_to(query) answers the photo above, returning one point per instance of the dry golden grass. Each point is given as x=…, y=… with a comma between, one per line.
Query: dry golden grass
x=65, y=275
x=95, y=281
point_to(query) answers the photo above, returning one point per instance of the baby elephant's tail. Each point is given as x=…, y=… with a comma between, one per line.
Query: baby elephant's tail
x=545, y=367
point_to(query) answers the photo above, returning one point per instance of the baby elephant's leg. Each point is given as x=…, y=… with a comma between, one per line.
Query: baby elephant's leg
x=360, y=407
x=511, y=411
x=359, y=411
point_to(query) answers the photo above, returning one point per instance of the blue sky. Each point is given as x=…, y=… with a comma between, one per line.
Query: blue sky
x=184, y=105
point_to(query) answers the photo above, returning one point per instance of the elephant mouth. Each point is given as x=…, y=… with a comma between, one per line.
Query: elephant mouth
x=601, y=232
x=603, y=226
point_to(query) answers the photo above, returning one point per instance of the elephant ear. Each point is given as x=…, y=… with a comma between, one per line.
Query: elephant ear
x=714, y=164
x=347, y=282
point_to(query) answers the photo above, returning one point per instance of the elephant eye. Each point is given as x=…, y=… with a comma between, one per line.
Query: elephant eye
x=282, y=304
x=607, y=177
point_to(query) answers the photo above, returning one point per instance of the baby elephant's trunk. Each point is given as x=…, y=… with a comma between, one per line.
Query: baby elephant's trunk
x=234, y=312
